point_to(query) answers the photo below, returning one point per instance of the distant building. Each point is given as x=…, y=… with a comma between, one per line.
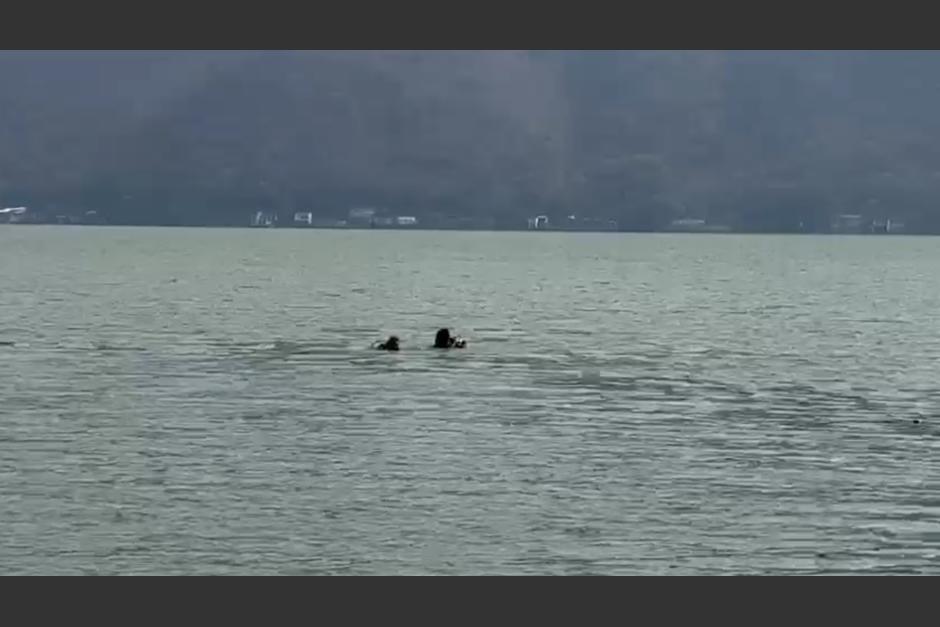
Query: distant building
x=407, y=221
x=696, y=225
x=848, y=224
x=263, y=219
x=887, y=227
x=303, y=219
x=362, y=216
x=539, y=223
x=13, y=214
x=383, y=222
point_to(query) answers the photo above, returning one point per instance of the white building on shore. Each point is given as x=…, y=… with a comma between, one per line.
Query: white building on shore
x=13, y=215
x=303, y=218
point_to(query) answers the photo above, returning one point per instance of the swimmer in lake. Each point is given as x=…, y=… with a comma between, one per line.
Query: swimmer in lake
x=391, y=345
x=444, y=341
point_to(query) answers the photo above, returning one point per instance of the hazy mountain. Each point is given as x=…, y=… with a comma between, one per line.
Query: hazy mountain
x=762, y=140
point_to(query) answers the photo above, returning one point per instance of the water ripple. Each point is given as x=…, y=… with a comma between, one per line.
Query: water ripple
x=205, y=402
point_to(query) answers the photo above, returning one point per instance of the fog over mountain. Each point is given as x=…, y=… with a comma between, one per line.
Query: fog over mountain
x=756, y=140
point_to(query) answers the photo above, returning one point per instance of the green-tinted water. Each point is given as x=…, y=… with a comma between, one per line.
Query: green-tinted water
x=201, y=402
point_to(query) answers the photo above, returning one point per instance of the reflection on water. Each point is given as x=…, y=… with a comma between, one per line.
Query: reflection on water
x=662, y=405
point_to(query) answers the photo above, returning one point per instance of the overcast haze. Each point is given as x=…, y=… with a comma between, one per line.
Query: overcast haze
x=757, y=140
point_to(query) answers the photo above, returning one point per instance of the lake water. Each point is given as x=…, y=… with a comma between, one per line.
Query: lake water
x=204, y=402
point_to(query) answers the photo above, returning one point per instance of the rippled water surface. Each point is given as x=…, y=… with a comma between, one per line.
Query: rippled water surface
x=204, y=402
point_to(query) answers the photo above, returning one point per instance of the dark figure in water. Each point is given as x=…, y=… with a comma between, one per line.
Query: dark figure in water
x=391, y=345
x=445, y=341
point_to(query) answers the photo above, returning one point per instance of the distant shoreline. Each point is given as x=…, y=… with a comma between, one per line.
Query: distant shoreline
x=418, y=229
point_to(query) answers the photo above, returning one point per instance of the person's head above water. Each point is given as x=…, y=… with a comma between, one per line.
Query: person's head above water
x=392, y=344
x=443, y=340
